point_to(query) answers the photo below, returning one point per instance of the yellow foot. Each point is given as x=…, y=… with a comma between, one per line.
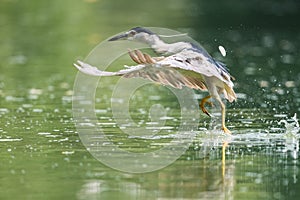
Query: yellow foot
x=203, y=102
x=226, y=130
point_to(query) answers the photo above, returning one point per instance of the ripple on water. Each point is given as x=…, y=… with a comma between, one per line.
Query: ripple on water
x=37, y=110
x=160, y=128
x=14, y=99
x=101, y=111
x=10, y=139
x=3, y=110
x=68, y=152
x=35, y=91
x=154, y=97
x=44, y=133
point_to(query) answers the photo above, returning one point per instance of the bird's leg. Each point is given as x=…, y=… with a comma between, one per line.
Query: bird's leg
x=225, y=144
x=223, y=110
x=203, y=102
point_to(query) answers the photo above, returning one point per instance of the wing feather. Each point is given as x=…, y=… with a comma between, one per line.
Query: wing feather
x=186, y=68
x=155, y=72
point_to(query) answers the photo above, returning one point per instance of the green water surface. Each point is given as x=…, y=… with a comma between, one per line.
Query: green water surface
x=41, y=153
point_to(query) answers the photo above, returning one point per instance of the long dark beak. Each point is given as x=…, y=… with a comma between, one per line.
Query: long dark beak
x=119, y=37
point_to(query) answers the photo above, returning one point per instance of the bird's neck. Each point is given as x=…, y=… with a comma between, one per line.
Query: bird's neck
x=165, y=48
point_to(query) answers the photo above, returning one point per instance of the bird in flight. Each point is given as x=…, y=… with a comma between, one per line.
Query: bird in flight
x=180, y=64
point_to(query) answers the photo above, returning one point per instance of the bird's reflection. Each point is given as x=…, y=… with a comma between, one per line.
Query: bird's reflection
x=215, y=167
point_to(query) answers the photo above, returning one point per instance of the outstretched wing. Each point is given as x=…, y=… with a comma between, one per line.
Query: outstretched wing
x=187, y=68
x=165, y=74
x=192, y=60
x=194, y=64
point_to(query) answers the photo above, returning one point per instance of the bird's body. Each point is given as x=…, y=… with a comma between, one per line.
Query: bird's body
x=186, y=65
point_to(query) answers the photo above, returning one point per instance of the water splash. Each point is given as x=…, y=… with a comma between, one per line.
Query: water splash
x=291, y=126
x=222, y=50
x=292, y=136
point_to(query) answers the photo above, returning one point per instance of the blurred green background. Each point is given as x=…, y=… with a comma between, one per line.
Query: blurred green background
x=41, y=156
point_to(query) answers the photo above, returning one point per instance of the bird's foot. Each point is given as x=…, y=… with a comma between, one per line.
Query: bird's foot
x=205, y=111
x=226, y=130
x=202, y=104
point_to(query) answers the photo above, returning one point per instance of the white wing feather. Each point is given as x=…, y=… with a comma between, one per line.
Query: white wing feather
x=186, y=68
x=155, y=72
x=198, y=63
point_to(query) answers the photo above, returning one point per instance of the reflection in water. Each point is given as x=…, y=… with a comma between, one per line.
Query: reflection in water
x=217, y=166
x=201, y=180
x=99, y=189
x=258, y=161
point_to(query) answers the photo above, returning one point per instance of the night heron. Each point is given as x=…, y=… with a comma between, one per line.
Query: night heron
x=186, y=65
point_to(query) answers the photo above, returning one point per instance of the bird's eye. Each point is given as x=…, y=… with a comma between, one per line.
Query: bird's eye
x=132, y=33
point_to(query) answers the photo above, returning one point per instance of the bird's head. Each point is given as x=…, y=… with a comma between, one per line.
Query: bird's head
x=138, y=34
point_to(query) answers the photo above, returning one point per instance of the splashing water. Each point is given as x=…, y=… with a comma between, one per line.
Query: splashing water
x=291, y=126
x=222, y=50
x=292, y=136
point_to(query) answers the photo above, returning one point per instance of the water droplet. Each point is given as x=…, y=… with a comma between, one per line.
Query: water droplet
x=68, y=152
x=222, y=50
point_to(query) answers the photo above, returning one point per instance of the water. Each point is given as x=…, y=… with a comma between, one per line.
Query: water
x=42, y=155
